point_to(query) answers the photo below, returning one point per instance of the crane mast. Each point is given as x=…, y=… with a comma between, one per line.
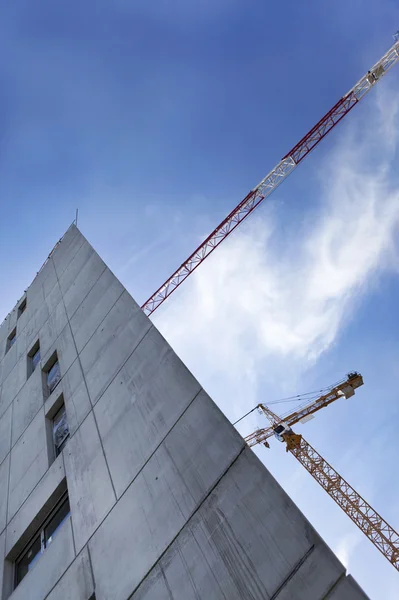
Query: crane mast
x=378, y=531
x=273, y=179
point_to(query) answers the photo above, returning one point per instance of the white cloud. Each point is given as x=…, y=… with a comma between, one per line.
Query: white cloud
x=252, y=305
x=347, y=547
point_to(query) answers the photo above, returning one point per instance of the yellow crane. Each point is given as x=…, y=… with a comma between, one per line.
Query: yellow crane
x=378, y=531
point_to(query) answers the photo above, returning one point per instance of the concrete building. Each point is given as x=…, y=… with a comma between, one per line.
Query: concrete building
x=119, y=477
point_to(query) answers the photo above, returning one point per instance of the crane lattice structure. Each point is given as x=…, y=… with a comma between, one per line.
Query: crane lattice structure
x=368, y=520
x=343, y=389
x=378, y=531
x=273, y=179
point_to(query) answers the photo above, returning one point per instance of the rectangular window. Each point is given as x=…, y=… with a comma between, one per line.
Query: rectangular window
x=33, y=358
x=54, y=523
x=12, y=338
x=29, y=558
x=60, y=430
x=22, y=308
x=42, y=539
x=53, y=375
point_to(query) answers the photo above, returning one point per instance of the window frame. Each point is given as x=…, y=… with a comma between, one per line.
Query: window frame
x=59, y=448
x=21, y=308
x=40, y=534
x=11, y=339
x=31, y=354
x=54, y=361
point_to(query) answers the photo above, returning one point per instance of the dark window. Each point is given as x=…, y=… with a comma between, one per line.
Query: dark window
x=53, y=376
x=21, y=308
x=55, y=522
x=33, y=358
x=12, y=338
x=29, y=558
x=60, y=430
x=42, y=539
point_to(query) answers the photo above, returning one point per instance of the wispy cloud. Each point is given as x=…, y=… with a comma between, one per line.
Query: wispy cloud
x=347, y=546
x=252, y=304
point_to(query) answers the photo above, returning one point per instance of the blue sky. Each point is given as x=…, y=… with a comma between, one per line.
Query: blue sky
x=155, y=119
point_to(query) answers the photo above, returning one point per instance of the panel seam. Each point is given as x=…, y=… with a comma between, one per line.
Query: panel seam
x=292, y=572
x=334, y=585
x=190, y=517
x=8, y=490
x=88, y=394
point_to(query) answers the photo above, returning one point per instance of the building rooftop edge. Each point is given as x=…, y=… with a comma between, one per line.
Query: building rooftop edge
x=73, y=224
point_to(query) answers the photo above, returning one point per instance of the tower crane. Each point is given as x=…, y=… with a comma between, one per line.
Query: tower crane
x=384, y=537
x=273, y=179
x=378, y=531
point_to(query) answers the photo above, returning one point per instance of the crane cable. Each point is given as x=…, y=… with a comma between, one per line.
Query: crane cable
x=315, y=394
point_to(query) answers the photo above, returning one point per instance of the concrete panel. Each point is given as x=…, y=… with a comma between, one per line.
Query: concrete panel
x=84, y=279
x=39, y=289
x=9, y=359
x=4, y=472
x=52, y=328
x=29, y=462
x=44, y=280
x=141, y=405
x=2, y=551
x=181, y=576
x=27, y=403
x=53, y=298
x=65, y=252
x=3, y=332
x=94, y=307
x=162, y=497
x=22, y=321
x=49, y=567
x=12, y=385
x=186, y=572
x=65, y=348
x=50, y=280
x=12, y=319
x=20, y=344
x=90, y=491
x=38, y=505
x=315, y=574
x=35, y=324
x=35, y=295
x=77, y=582
x=257, y=536
x=53, y=403
x=247, y=540
x=139, y=528
x=5, y=433
x=347, y=589
x=76, y=398
x=112, y=343
x=75, y=267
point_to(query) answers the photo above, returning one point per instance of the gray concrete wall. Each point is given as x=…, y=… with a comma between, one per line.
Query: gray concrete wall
x=166, y=500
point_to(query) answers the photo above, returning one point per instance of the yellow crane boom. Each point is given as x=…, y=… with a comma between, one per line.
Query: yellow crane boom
x=383, y=536
x=378, y=531
x=344, y=389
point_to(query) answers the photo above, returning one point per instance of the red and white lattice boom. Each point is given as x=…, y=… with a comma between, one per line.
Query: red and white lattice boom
x=274, y=178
